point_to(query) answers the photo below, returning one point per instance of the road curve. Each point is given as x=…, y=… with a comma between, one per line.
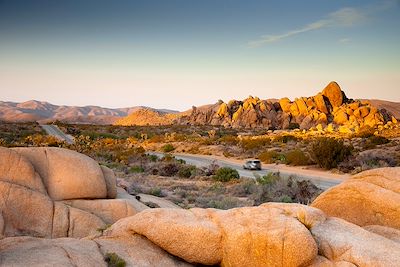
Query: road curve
x=322, y=179
x=53, y=130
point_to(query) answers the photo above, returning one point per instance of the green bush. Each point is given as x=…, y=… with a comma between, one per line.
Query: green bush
x=156, y=192
x=186, y=171
x=168, y=148
x=152, y=158
x=329, y=152
x=225, y=174
x=286, y=138
x=169, y=169
x=113, y=260
x=297, y=158
x=286, y=199
x=136, y=169
x=375, y=140
x=268, y=179
x=268, y=156
x=253, y=144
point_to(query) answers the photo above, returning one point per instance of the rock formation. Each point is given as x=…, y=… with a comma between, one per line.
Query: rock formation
x=368, y=198
x=146, y=116
x=353, y=224
x=45, y=192
x=329, y=106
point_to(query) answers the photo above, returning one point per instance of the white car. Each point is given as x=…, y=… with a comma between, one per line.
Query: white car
x=252, y=165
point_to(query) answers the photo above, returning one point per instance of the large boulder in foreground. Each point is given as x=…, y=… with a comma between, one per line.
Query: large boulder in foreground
x=65, y=173
x=135, y=251
x=272, y=234
x=368, y=198
x=54, y=192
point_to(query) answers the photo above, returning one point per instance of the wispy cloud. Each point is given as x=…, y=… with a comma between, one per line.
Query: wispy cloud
x=344, y=41
x=344, y=17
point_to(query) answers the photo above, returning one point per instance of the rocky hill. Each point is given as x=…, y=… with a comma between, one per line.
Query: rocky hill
x=44, y=112
x=146, y=116
x=331, y=106
x=60, y=208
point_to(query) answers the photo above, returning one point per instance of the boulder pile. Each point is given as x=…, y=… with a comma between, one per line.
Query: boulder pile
x=353, y=224
x=329, y=107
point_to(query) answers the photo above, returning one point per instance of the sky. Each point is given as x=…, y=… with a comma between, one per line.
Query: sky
x=179, y=53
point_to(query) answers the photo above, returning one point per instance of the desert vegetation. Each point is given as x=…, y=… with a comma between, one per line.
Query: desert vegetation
x=125, y=149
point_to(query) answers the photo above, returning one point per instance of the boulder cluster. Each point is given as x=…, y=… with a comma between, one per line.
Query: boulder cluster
x=50, y=193
x=53, y=192
x=330, y=108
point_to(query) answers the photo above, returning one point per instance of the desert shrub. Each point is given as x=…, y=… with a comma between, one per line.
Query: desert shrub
x=168, y=148
x=169, y=169
x=211, y=169
x=168, y=158
x=186, y=171
x=286, y=199
x=223, y=203
x=375, y=140
x=297, y=158
x=43, y=140
x=365, y=132
x=135, y=188
x=157, y=139
x=286, y=138
x=368, y=160
x=269, y=156
x=136, y=169
x=329, y=152
x=152, y=158
x=270, y=178
x=245, y=188
x=194, y=150
x=156, y=191
x=293, y=126
x=181, y=161
x=97, y=135
x=254, y=144
x=227, y=154
x=225, y=174
x=285, y=190
x=228, y=140
x=113, y=260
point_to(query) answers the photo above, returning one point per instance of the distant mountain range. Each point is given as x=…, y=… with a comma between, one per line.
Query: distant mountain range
x=329, y=106
x=44, y=112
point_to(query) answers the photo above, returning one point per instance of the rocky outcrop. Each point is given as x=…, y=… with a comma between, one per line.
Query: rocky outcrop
x=353, y=224
x=329, y=106
x=45, y=192
x=146, y=116
x=273, y=234
x=135, y=251
x=369, y=198
x=269, y=235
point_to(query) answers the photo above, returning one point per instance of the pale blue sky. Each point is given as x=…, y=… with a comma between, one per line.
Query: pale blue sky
x=179, y=53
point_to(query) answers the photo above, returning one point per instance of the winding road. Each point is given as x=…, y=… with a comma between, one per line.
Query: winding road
x=53, y=130
x=322, y=179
